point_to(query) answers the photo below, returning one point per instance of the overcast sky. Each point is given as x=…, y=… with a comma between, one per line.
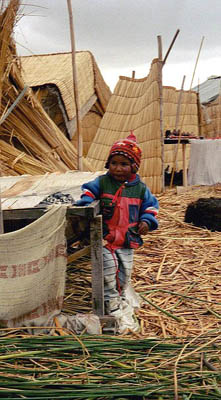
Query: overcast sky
x=122, y=35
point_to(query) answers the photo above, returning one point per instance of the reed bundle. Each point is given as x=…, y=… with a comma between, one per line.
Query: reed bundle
x=23, y=120
x=98, y=367
x=16, y=162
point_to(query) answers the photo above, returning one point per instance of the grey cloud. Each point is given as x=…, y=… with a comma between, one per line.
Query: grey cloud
x=122, y=33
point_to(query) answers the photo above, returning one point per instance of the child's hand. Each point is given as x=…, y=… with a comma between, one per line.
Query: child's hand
x=143, y=228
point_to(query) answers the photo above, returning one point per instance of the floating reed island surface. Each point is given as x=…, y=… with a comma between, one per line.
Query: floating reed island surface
x=176, y=273
x=176, y=355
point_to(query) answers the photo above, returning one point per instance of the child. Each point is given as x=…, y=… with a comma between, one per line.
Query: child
x=129, y=210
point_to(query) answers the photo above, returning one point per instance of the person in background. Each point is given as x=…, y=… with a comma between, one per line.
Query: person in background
x=129, y=210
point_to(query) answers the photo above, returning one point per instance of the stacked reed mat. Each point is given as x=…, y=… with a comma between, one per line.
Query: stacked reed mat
x=106, y=367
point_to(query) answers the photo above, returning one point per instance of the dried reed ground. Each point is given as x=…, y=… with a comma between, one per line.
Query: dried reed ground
x=176, y=271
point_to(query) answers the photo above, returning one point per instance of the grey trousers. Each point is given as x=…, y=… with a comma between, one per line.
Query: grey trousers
x=117, y=271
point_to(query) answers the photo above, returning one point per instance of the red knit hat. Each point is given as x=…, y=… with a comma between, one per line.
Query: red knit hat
x=126, y=147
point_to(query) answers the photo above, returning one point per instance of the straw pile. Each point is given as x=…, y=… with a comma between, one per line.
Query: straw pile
x=24, y=123
x=176, y=272
x=15, y=162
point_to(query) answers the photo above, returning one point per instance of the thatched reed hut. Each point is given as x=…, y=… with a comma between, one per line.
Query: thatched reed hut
x=51, y=78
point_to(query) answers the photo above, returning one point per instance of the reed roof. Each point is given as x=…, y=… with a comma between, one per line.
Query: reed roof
x=56, y=69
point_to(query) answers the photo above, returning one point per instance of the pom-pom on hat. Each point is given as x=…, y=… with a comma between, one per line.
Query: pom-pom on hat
x=126, y=147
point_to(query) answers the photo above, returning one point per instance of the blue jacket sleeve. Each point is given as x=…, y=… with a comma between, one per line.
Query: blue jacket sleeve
x=91, y=192
x=149, y=210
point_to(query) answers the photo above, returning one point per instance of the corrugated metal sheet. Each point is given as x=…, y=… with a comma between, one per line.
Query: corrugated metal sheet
x=209, y=90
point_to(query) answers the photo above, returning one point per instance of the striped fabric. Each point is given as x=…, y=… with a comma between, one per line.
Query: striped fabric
x=117, y=272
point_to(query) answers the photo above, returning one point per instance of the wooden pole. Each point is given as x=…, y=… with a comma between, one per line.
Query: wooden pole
x=75, y=87
x=1, y=218
x=133, y=74
x=172, y=43
x=199, y=112
x=179, y=104
x=160, y=67
x=179, y=137
x=1, y=212
x=176, y=126
x=218, y=134
x=197, y=59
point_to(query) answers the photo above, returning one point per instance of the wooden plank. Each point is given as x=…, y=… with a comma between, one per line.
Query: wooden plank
x=184, y=165
x=96, y=236
x=1, y=216
x=89, y=211
x=33, y=213
x=78, y=254
x=108, y=324
x=27, y=213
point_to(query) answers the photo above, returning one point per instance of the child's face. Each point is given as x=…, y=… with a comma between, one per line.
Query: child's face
x=120, y=168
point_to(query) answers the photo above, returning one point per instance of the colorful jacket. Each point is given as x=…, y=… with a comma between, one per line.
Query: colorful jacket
x=123, y=206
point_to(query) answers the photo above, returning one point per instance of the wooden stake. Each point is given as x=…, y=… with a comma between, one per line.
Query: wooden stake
x=218, y=134
x=197, y=59
x=176, y=126
x=1, y=212
x=172, y=43
x=75, y=87
x=179, y=104
x=179, y=137
x=160, y=64
x=1, y=218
